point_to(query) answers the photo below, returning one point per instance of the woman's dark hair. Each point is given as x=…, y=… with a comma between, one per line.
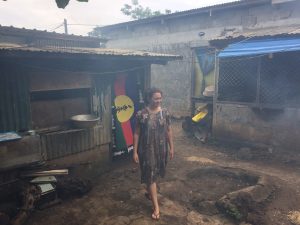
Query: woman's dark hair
x=150, y=92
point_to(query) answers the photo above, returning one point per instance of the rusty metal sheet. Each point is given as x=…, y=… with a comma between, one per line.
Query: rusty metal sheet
x=90, y=51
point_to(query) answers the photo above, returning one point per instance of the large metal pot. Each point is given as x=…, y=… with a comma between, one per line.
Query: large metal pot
x=84, y=121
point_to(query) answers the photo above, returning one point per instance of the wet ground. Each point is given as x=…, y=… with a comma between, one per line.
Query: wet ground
x=198, y=177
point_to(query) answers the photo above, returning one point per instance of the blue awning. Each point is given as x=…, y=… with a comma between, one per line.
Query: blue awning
x=260, y=47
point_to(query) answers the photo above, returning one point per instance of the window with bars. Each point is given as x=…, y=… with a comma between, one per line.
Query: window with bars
x=269, y=80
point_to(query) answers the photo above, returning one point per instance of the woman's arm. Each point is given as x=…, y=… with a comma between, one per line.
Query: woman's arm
x=170, y=141
x=135, y=143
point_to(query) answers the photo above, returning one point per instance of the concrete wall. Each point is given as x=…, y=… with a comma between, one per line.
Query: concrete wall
x=278, y=128
x=169, y=79
x=177, y=35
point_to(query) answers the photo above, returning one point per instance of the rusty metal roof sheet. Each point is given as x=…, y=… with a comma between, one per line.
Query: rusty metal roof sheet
x=89, y=51
x=284, y=31
x=271, y=31
x=10, y=30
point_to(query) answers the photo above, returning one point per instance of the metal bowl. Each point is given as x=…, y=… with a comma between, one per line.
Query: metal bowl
x=84, y=121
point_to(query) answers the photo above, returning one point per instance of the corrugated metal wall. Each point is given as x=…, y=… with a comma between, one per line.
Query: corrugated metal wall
x=14, y=100
x=58, y=144
x=102, y=94
x=61, y=143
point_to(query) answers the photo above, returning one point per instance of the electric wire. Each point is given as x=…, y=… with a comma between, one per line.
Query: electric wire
x=58, y=26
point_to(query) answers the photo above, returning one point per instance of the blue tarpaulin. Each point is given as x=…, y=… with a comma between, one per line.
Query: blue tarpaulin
x=260, y=47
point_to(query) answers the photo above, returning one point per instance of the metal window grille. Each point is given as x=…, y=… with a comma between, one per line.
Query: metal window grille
x=280, y=79
x=237, y=80
x=269, y=80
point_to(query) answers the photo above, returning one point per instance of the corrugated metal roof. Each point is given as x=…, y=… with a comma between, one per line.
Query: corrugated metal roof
x=260, y=47
x=90, y=51
x=256, y=34
x=207, y=9
x=10, y=30
x=291, y=30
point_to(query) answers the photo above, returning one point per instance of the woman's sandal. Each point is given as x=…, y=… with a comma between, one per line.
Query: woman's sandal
x=155, y=216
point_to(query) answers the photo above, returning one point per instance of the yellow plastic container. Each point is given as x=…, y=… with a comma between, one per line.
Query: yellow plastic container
x=200, y=115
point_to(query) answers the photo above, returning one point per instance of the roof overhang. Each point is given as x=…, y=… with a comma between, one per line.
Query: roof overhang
x=14, y=50
x=29, y=33
x=261, y=47
x=249, y=34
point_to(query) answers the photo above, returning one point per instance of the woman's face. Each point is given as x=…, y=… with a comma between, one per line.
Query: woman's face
x=156, y=99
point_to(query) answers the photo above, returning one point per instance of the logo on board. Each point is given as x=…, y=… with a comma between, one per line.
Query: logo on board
x=124, y=108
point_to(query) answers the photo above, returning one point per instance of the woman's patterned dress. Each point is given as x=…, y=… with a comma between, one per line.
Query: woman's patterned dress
x=153, y=144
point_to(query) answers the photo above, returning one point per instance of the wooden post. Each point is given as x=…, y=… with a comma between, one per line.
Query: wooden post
x=66, y=26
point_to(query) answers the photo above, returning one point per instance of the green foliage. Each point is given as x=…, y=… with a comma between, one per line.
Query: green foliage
x=63, y=3
x=136, y=11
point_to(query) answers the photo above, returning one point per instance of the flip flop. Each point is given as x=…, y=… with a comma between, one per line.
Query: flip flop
x=155, y=216
x=148, y=196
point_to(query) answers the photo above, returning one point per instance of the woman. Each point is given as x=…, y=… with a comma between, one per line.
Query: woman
x=152, y=137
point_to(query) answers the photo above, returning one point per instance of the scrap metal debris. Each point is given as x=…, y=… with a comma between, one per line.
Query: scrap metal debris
x=30, y=196
x=40, y=189
x=45, y=173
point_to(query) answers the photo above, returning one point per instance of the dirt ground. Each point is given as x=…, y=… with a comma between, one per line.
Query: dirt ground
x=197, y=178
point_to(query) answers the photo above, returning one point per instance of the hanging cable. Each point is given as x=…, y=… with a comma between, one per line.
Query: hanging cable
x=60, y=25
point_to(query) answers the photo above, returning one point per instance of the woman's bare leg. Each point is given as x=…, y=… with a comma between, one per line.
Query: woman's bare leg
x=153, y=192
